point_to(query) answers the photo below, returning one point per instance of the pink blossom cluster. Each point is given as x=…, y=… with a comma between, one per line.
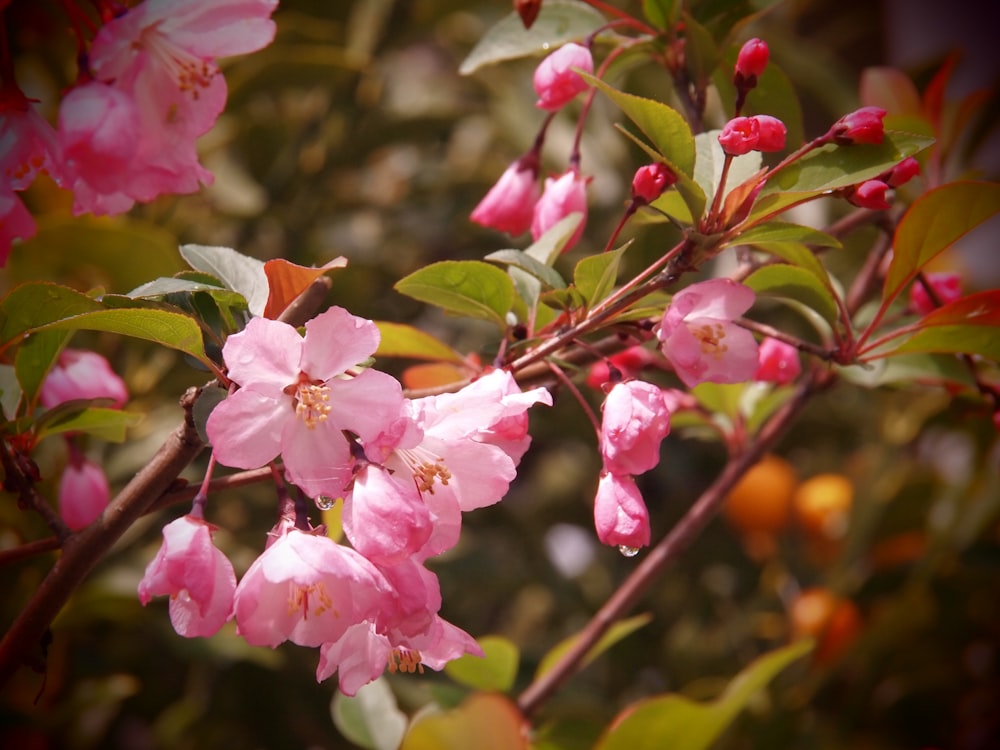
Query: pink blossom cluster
x=406, y=469
x=148, y=87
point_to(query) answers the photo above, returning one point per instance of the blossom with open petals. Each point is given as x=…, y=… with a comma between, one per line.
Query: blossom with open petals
x=700, y=340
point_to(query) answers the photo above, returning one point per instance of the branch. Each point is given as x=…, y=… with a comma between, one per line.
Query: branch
x=84, y=550
x=664, y=553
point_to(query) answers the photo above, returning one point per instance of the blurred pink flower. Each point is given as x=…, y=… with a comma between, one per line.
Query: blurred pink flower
x=510, y=203
x=16, y=223
x=83, y=492
x=195, y=574
x=699, y=338
x=903, y=172
x=28, y=143
x=562, y=196
x=82, y=374
x=628, y=362
x=947, y=287
x=556, y=81
x=779, y=362
x=635, y=421
x=620, y=515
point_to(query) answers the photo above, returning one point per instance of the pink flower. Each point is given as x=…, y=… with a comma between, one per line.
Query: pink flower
x=699, y=338
x=307, y=589
x=82, y=374
x=562, y=197
x=903, y=172
x=83, y=493
x=635, y=421
x=869, y=194
x=751, y=61
x=297, y=397
x=651, y=180
x=556, y=81
x=772, y=133
x=27, y=142
x=740, y=136
x=628, y=363
x=510, y=203
x=198, y=578
x=620, y=515
x=947, y=288
x=16, y=223
x=779, y=362
x=861, y=126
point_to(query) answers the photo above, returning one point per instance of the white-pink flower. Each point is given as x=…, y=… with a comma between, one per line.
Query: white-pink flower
x=28, y=142
x=298, y=395
x=700, y=340
x=635, y=420
x=82, y=374
x=620, y=515
x=195, y=574
x=83, y=492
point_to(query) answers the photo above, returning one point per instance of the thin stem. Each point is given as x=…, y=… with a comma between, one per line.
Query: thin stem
x=564, y=379
x=804, y=346
x=18, y=481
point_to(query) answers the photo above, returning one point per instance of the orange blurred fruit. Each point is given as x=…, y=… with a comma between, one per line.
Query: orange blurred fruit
x=823, y=504
x=761, y=501
x=833, y=621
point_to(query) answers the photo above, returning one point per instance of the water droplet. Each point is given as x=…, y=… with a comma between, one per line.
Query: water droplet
x=546, y=45
x=628, y=551
x=325, y=503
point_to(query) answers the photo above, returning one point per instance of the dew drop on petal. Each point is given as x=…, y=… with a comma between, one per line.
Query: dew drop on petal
x=324, y=502
x=628, y=551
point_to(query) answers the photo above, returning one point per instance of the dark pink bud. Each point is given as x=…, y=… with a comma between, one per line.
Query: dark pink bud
x=779, y=362
x=651, y=180
x=870, y=194
x=556, y=80
x=903, y=172
x=861, y=126
x=740, y=136
x=752, y=59
x=947, y=287
x=772, y=133
x=510, y=203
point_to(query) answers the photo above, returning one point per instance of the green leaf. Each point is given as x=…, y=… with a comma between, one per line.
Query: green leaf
x=10, y=392
x=401, y=340
x=662, y=13
x=784, y=231
x=558, y=21
x=103, y=423
x=709, y=161
x=518, y=259
x=595, y=276
x=494, y=671
x=932, y=224
x=484, y=721
x=370, y=719
x=909, y=368
x=617, y=632
x=238, y=272
x=171, y=285
x=673, y=721
x=34, y=304
x=462, y=287
x=793, y=282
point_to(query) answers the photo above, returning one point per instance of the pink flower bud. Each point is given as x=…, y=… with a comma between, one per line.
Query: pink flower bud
x=628, y=362
x=510, y=203
x=620, y=515
x=947, y=287
x=772, y=133
x=861, y=126
x=779, y=362
x=83, y=493
x=556, y=83
x=752, y=59
x=81, y=374
x=903, y=172
x=562, y=196
x=16, y=223
x=635, y=421
x=651, y=180
x=740, y=136
x=870, y=194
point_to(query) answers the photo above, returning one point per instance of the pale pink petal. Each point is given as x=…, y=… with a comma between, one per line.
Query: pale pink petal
x=264, y=356
x=83, y=493
x=635, y=421
x=620, y=514
x=336, y=340
x=358, y=657
x=450, y=642
x=370, y=406
x=385, y=517
x=723, y=299
x=317, y=459
x=16, y=223
x=82, y=374
x=246, y=429
x=199, y=619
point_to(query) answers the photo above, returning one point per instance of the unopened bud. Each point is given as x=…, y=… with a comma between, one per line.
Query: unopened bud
x=861, y=126
x=752, y=60
x=651, y=180
x=870, y=194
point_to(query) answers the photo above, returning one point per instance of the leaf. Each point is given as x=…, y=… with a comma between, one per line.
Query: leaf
x=909, y=368
x=401, y=340
x=238, y=272
x=708, y=165
x=594, y=276
x=890, y=89
x=784, y=231
x=494, y=671
x=370, y=719
x=558, y=21
x=103, y=423
x=34, y=304
x=35, y=358
x=546, y=274
x=462, y=287
x=932, y=224
x=617, y=632
x=286, y=281
x=793, y=282
x=10, y=392
x=673, y=721
x=484, y=721
x=171, y=285
x=434, y=375
x=662, y=13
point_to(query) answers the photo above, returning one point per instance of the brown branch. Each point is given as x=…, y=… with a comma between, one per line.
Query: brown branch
x=29, y=549
x=670, y=547
x=83, y=550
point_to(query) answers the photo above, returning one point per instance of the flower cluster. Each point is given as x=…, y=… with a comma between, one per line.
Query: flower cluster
x=406, y=470
x=148, y=87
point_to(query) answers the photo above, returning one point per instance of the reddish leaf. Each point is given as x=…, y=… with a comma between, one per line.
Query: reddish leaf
x=286, y=281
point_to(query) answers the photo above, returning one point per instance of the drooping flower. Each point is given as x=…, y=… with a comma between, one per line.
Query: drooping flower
x=195, y=574
x=510, y=203
x=779, y=362
x=700, y=340
x=651, y=180
x=620, y=515
x=635, y=420
x=82, y=374
x=947, y=287
x=83, y=492
x=562, y=196
x=296, y=398
x=863, y=125
x=556, y=81
x=307, y=589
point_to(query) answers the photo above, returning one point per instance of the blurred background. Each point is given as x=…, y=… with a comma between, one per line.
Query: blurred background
x=353, y=134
